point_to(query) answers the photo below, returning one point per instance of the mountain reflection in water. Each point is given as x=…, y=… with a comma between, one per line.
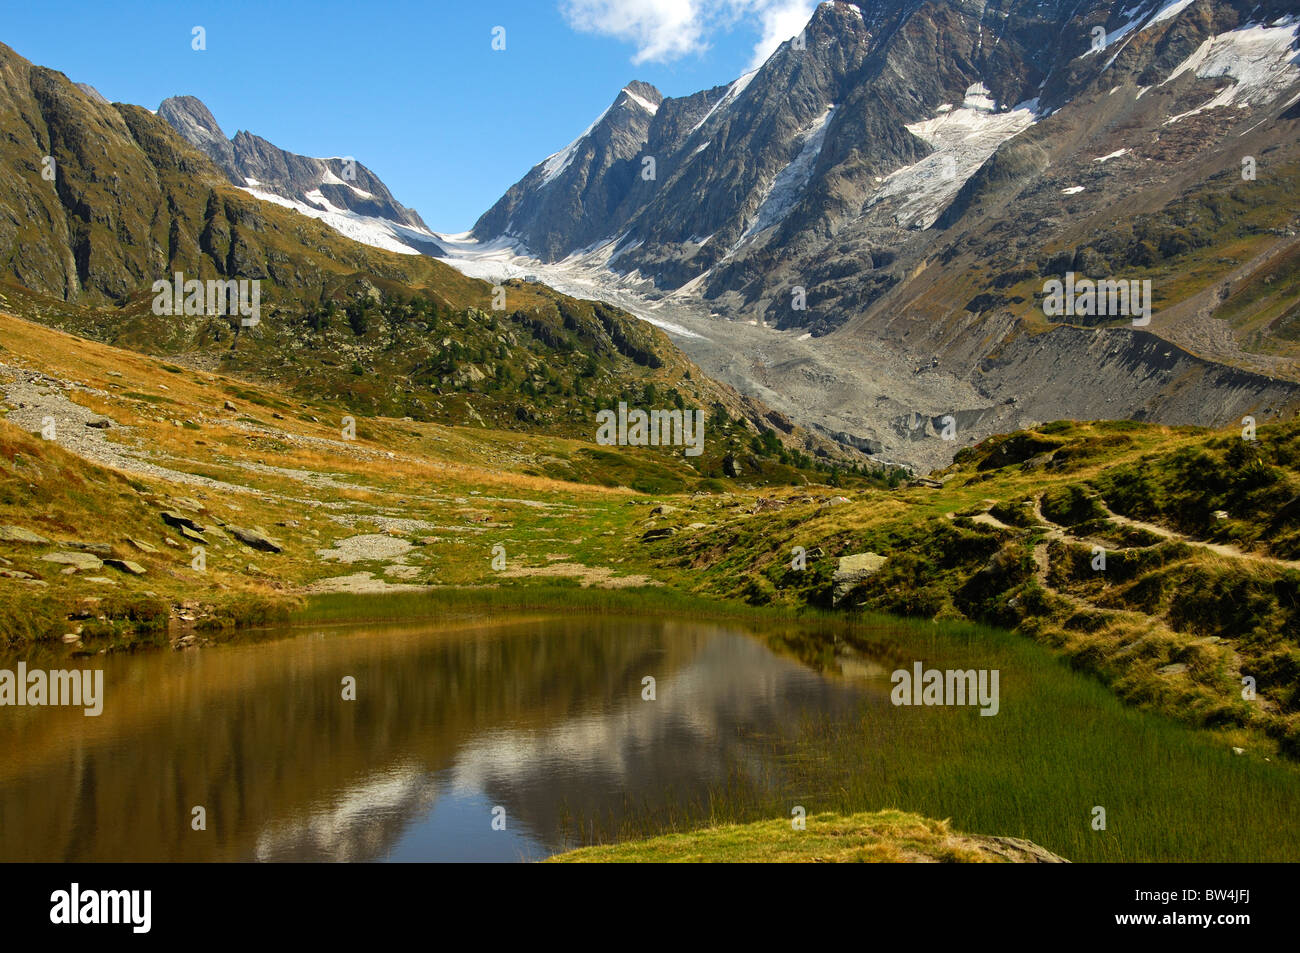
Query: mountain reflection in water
x=541, y=717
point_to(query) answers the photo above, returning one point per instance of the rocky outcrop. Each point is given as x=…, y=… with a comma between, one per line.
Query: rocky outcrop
x=76, y=560
x=251, y=161
x=254, y=539
x=852, y=571
x=17, y=534
x=919, y=218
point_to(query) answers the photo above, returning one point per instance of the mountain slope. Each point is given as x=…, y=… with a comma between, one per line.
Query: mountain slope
x=386, y=334
x=896, y=193
x=345, y=194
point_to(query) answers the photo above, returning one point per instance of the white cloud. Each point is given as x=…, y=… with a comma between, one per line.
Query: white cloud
x=666, y=30
x=780, y=20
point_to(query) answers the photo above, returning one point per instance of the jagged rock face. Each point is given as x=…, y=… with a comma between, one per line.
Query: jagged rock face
x=93, y=93
x=197, y=126
x=250, y=161
x=917, y=170
x=826, y=163
x=788, y=145
x=99, y=200
x=569, y=199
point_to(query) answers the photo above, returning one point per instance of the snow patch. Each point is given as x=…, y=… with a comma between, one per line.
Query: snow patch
x=1165, y=11
x=645, y=104
x=1073, y=190
x=787, y=188
x=366, y=229
x=730, y=96
x=583, y=274
x=977, y=97
x=963, y=140
x=556, y=163
x=1258, y=59
x=1114, y=155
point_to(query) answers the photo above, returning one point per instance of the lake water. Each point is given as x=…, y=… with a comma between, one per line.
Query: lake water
x=466, y=741
x=537, y=722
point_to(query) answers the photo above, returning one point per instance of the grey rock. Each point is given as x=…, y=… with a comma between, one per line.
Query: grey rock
x=102, y=550
x=17, y=534
x=852, y=571
x=287, y=174
x=125, y=565
x=75, y=560
x=254, y=539
x=181, y=521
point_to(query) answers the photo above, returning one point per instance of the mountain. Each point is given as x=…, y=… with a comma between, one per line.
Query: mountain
x=342, y=192
x=381, y=333
x=894, y=188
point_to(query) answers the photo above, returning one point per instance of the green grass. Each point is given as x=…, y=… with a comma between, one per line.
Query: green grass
x=509, y=600
x=1060, y=746
x=884, y=836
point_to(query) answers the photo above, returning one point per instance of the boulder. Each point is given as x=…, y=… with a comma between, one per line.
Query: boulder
x=663, y=533
x=181, y=521
x=254, y=539
x=853, y=570
x=102, y=550
x=125, y=565
x=77, y=561
x=16, y=534
x=141, y=545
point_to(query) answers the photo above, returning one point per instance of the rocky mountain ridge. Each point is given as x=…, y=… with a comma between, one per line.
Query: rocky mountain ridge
x=893, y=191
x=344, y=193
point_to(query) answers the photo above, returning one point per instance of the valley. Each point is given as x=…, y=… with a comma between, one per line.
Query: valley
x=608, y=529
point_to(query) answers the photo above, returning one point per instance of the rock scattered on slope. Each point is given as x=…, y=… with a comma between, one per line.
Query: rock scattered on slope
x=78, y=561
x=852, y=571
x=255, y=539
x=16, y=534
x=125, y=565
x=181, y=521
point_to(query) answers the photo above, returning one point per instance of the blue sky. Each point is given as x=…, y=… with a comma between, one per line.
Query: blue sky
x=412, y=90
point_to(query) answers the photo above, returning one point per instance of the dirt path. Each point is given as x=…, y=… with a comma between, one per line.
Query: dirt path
x=1221, y=549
